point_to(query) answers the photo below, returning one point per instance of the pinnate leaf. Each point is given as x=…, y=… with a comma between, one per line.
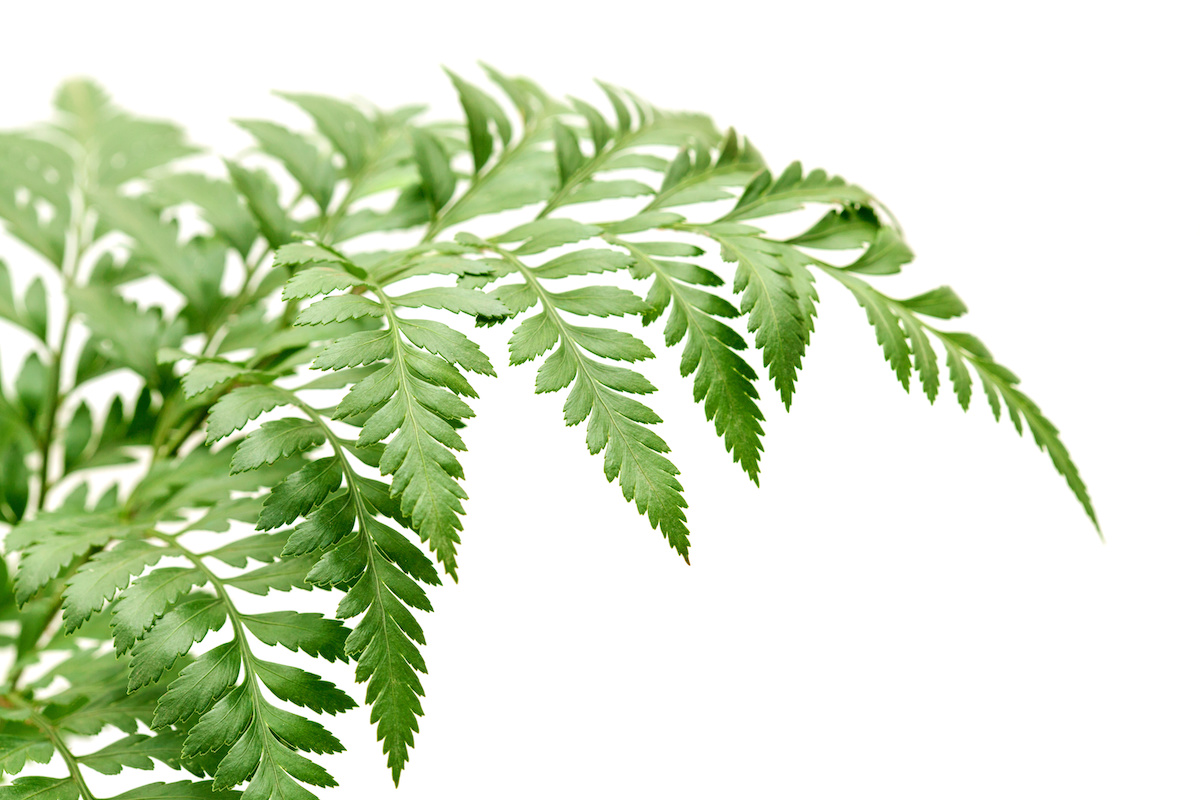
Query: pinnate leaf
x=274, y=440
x=99, y=580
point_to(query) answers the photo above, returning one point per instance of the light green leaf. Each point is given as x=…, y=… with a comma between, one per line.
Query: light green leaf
x=303, y=688
x=100, y=578
x=544, y=234
x=888, y=332
x=723, y=381
x=218, y=201
x=300, y=493
x=136, y=751
x=282, y=576
x=885, y=256
x=344, y=125
x=17, y=751
x=274, y=440
x=43, y=561
x=481, y=110
x=207, y=374
x=841, y=229
x=32, y=788
x=566, y=152
x=182, y=790
x=583, y=262
x=941, y=302
x=262, y=198
x=593, y=190
x=780, y=301
x=317, y=280
x=434, y=167
x=238, y=407
x=339, y=308
x=461, y=301
x=312, y=170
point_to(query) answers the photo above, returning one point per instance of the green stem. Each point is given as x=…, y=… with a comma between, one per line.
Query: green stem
x=52, y=733
x=360, y=506
x=166, y=445
x=339, y=451
x=47, y=437
x=235, y=618
x=79, y=239
x=330, y=222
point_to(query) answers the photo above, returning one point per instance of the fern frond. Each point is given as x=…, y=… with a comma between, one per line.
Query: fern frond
x=723, y=381
x=617, y=424
x=905, y=337
x=270, y=285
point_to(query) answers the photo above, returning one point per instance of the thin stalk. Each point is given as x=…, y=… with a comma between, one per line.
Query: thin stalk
x=78, y=240
x=60, y=745
x=235, y=621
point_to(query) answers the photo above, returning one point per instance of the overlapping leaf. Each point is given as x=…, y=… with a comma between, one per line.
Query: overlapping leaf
x=600, y=392
x=723, y=381
x=98, y=195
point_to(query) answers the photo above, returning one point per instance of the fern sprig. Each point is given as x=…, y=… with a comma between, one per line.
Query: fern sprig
x=118, y=622
x=257, y=740
x=634, y=455
x=723, y=382
x=903, y=333
x=379, y=570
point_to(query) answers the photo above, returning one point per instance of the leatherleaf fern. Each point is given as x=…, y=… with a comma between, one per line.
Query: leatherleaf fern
x=245, y=377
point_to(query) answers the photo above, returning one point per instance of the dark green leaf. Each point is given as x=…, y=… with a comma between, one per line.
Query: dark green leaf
x=311, y=633
x=171, y=637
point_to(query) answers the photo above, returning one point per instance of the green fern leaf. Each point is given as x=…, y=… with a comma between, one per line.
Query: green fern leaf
x=46, y=559
x=302, y=688
x=723, y=380
x=262, y=288
x=294, y=630
x=99, y=580
x=171, y=637
x=34, y=788
x=634, y=455
x=217, y=200
x=886, y=255
x=198, y=686
x=181, y=790
x=136, y=750
x=273, y=441
x=282, y=576
x=146, y=599
x=314, y=172
x=342, y=124
x=16, y=751
x=300, y=493
x=238, y=407
x=888, y=331
x=778, y=298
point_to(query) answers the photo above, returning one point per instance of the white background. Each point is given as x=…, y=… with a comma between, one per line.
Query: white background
x=912, y=604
